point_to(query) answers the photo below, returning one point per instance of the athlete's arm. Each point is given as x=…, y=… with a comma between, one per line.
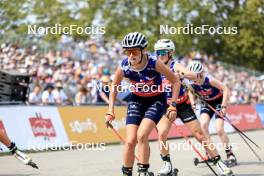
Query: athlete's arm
x=222, y=87
x=119, y=75
x=104, y=97
x=191, y=97
x=173, y=78
x=184, y=71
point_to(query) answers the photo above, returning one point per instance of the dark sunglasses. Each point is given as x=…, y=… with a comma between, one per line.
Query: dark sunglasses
x=162, y=52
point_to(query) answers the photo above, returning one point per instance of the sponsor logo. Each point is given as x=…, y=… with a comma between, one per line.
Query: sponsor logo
x=81, y=127
x=42, y=127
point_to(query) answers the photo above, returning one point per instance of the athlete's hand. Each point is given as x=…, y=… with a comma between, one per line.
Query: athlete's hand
x=109, y=117
x=223, y=110
x=171, y=113
x=194, y=107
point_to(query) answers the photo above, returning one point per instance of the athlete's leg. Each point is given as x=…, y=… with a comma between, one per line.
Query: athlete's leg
x=163, y=127
x=145, y=127
x=130, y=144
x=15, y=151
x=225, y=140
x=195, y=128
x=4, y=138
x=221, y=132
x=205, y=121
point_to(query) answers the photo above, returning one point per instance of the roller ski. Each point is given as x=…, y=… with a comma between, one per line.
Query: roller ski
x=21, y=156
x=231, y=158
x=143, y=170
x=196, y=161
x=222, y=168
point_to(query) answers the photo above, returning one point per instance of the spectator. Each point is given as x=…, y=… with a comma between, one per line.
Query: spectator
x=47, y=96
x=35, y=96
x=59, y=94
x=81, y=96
x=86, y=62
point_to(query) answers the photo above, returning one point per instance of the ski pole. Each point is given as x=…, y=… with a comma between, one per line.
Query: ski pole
x=118, y=135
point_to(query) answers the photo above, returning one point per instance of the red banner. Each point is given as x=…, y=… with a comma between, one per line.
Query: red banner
x=244, y=117
x=42, y=126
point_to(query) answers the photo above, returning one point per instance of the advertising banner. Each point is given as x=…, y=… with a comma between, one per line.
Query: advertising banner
x=33, y=128
x=87, y=124
x=244, y=117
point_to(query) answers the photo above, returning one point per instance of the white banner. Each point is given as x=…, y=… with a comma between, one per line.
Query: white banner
x=34, y=127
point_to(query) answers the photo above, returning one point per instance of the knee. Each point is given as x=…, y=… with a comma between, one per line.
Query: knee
x=162, y=135
x=131, y=144
x=142, y=138
x=205, y=126
x=220, y=132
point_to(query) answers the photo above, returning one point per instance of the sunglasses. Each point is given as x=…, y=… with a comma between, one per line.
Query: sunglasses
x=162, y=52
x=134, y=52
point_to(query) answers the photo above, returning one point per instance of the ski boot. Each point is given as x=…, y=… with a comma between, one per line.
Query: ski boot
x=143, y=170
x=231, y=161
x=127, y=171
x=167, y=170
x=21, y=156
x=223, y=169
x=231, y=158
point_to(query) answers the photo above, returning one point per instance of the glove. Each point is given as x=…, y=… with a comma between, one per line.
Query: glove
x=171, y=113
x=109, y=118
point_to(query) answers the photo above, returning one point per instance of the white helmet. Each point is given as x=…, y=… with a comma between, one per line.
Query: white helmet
x=196, y=67
x=134, y=39
x=164, y=44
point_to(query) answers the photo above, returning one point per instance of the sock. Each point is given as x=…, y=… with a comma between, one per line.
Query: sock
x=228, y=151
x=143, y=167
x=12, y=147
x=166, y=158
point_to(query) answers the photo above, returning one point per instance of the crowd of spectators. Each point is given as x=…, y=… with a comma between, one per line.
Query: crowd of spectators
x=74, y=72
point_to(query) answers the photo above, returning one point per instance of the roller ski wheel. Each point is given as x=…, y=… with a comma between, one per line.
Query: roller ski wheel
x=173, y=173
x=196, y=161
x=32, y=164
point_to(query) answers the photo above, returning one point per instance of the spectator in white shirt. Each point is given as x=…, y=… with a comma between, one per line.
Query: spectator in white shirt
x=47, y=96
x=35, y=96
x=59, y=94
